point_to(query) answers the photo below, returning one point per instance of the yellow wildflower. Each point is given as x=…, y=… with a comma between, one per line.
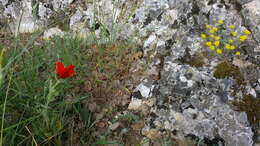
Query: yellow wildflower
x=207, y=26
x=230, y=41
x=220, y=22
x=242, y=38
x=247, y=32
x=238, y=53
x=232, y=26
x=217, y=38
x=208, y=44
x=232, y=47
x=217, y=43
x=227, y=46
x=212, y=48
x=203, y=36
x=215, y=28
x=219, y=51
x=211, y=31
x=212, y=36
x=233, y=33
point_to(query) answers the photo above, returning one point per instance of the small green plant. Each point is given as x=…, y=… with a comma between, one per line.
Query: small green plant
x=167, y=141
x=226, y=69
x=2, y=58
x=221, y=38
x=131, y=118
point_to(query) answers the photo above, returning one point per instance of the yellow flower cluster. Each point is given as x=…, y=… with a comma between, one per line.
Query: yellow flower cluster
x=216, y=41
x=214, y=45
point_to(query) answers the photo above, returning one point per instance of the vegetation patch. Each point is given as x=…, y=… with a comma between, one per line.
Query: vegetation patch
x=251, y=106
x=221, y=39
x=226, y=69
x=32, y=116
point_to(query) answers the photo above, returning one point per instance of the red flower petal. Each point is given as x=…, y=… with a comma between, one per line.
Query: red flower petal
x=68, y=72
x=64, y=72
x=59, y=68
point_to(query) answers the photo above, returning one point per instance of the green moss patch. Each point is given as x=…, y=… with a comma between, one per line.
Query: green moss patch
x=226, y=69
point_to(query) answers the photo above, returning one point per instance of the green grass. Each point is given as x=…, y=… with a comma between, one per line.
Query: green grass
x=26, y=118
x=33, y=111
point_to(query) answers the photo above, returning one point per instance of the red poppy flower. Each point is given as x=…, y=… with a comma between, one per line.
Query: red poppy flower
x=64, y=72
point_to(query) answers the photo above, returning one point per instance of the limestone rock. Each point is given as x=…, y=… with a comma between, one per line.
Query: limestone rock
x=251, y=14
x=114, y=126
x=135, y=104
x=52, y=32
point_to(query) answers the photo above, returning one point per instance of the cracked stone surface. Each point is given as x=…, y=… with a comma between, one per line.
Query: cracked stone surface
x=192, y=97
x=251, y=14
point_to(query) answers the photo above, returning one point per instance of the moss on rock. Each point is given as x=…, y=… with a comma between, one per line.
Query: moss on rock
x=251, y=106
x=226, y=69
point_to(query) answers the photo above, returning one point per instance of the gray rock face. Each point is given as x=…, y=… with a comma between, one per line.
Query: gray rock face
x=242, y=2
x=190, y=100
x=21, y=13
x=145, y=89
x=194, y=99
x=30, y=15
x=251, y=14
x=11, y=10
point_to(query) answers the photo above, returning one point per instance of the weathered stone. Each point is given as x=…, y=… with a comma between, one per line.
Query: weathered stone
x=114, y=126
x=152, y=133
x=242, y=2
x=138, y=126
x=135, y=104
x=251, y=15
x=23, y=19
x=145, y=88
x=52, y=32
